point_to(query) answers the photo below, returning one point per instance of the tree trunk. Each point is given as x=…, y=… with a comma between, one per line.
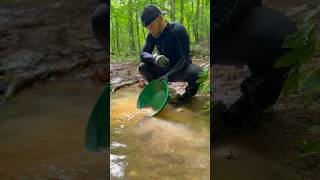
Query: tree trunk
x=117, y=36
x=137, y=24
x=181, y=11
x=113, y=42
x=196, y=22
x=202, y=19
x=130, y=25
x=172, y=12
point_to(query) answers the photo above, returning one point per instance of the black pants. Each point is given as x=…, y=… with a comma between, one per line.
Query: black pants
x=256, y=42
x=190, y=73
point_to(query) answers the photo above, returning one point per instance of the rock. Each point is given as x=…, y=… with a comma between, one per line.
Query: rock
x=102, y=76
x=125, y=83
x=297, y=9
x=141, y=84
x=116, y=80
x=20, y=60
x=4, y=19
x=3, y=87
x=65, y=52
x=133, y=173
x=179, y=110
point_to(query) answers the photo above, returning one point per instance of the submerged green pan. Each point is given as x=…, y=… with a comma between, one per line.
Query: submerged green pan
x=154, y=95
x=97, y=135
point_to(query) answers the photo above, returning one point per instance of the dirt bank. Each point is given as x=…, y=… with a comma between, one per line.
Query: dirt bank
x=45, y=40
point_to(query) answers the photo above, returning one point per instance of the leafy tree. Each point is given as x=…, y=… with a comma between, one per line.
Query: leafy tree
x=127, y=34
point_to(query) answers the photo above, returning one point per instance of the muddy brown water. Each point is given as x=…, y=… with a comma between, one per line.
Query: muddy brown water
x=175, y=144
x=42, y=134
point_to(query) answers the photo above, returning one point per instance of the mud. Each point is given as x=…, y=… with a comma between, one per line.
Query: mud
x=53, y=38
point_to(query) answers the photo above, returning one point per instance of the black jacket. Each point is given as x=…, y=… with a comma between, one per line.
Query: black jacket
x=173, y=43
x=228, y=14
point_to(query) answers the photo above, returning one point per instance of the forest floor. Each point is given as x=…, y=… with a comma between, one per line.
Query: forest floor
x=50, y=40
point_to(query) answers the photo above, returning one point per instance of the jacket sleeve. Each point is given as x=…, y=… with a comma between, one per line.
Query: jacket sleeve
x=228, y=14
x=146, y=53
x=182, y=47
x=100, y=21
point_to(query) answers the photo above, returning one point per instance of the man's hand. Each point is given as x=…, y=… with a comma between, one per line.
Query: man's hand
x=161, y=60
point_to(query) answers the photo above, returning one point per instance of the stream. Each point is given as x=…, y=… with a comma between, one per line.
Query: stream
x=174, y=144
x=42, y=133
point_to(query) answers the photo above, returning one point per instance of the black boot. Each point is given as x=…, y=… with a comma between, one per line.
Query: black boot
x=191, y=90
x=244, y=108
x=218, y=123
x=238, y=117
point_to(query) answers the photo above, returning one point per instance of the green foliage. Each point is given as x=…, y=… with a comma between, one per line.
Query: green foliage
x=127, y=34
x=204, y=79
x=291, y=83
x=7, y=77
x=121, y=57
x=311, y=86
x=303, y=45
x=312, y=148
x=206, y=108
x=315, y=130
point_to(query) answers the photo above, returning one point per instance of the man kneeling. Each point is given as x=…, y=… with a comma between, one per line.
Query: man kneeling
x=173, y=62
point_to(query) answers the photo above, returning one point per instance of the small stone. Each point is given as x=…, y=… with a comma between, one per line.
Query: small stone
x=133, y=173
x=180, y=110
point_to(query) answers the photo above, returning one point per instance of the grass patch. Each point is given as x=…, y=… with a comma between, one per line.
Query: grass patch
x=124, y=57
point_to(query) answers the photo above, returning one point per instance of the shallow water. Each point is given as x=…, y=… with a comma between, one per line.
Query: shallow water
x=246, y=164
x=174, y=144
x=42, y=133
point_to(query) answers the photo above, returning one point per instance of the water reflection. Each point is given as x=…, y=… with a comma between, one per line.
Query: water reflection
x=117, y=165
x=116, y=145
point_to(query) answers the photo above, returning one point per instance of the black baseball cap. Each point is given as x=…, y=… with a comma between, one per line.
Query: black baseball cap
x=149, y=14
